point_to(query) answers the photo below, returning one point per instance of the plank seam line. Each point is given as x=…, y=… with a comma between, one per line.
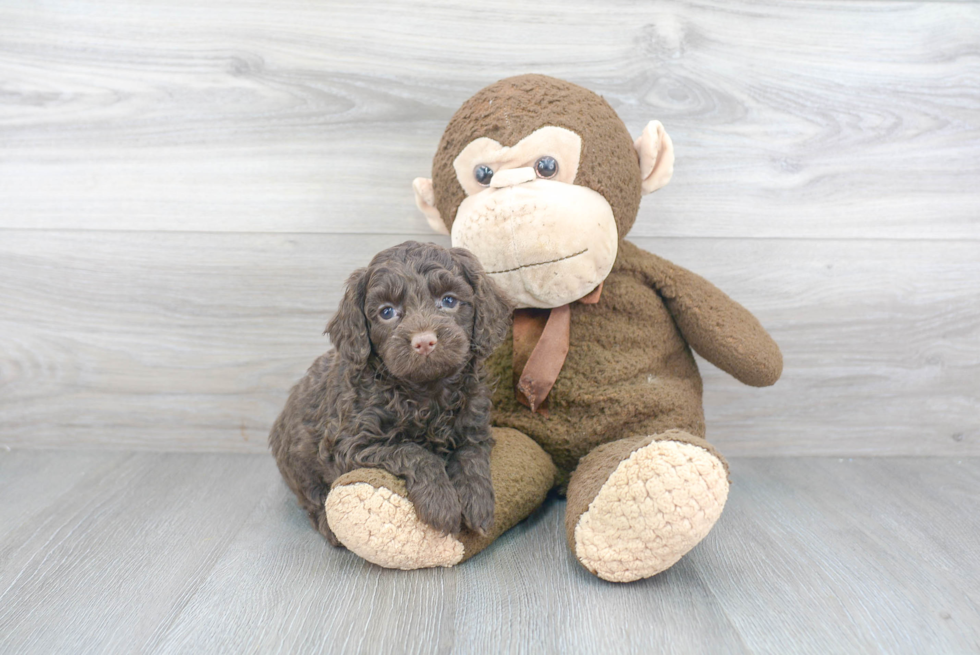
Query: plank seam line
x=418, y=235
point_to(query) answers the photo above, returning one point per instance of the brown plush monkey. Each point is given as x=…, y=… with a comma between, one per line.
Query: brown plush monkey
x=542, y=181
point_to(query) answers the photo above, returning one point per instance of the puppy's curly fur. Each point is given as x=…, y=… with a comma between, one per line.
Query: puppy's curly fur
x=383, y=399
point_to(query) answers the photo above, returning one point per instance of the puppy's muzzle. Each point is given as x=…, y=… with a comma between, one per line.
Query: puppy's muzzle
x=424, y=343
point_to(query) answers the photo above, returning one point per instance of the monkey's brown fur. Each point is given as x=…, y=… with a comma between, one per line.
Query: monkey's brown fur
x=629, y=369
x=629, y=378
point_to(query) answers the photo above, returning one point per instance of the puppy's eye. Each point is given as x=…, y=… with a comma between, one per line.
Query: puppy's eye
x=448, y=302
x=483, y=174
x=387, y=313
x=546, y=167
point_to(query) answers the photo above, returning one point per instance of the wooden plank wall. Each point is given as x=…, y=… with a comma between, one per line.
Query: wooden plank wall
x=184, y=186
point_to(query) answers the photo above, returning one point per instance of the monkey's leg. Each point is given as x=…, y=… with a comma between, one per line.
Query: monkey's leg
x=369, y=510
x=638, y=505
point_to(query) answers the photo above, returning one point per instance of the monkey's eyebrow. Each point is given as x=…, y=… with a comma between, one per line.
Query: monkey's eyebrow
x=559, y=142
x=482, y=148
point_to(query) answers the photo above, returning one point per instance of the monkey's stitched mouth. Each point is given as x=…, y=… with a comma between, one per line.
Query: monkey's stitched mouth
x=550, y=261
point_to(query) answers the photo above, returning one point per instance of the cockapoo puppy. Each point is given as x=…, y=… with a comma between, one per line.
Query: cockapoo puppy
x=402, y=389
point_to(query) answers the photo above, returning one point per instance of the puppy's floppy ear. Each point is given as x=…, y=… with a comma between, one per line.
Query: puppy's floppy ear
x=348, y=328
x=491, y=306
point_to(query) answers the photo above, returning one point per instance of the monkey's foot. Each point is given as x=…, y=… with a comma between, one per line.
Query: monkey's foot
x=636, y=506
x=368, y=510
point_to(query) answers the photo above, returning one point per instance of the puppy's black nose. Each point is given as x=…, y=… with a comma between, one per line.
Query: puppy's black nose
x=424, y=342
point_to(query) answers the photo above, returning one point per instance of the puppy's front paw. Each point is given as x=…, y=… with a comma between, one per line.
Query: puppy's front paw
x=437, y=504
x=477, y=500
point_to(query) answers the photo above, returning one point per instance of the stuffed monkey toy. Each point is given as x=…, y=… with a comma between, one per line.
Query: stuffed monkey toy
x=598, y=393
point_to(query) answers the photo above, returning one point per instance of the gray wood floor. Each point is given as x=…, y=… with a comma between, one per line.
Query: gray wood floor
x=151, y=552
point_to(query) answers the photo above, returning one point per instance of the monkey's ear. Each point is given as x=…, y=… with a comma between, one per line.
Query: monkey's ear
x=425, y=199
x=348, y=327
x=656, y=156
x=492, y=307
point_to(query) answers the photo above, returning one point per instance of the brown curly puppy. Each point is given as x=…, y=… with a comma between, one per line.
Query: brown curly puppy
x=403, y=390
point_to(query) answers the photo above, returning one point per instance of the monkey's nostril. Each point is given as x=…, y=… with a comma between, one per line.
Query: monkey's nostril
x=424, y=342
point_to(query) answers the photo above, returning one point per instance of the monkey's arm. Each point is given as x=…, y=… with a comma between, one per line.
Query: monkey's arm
x=717, y=327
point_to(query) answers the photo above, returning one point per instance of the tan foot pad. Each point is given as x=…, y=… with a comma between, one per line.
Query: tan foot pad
x=381, y=526
x=655, y=507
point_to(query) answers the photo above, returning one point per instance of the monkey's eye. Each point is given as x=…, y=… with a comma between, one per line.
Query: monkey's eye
x=546, y=167
x=387, y=313
x=483, y=174
x=448, y=302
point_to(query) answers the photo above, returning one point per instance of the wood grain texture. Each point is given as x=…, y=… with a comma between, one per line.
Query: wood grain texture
x=191, y=342
x=183, y=190
x=880, y=546
x=209, y=553
x=30, y=484
x=113, y=558
x=797, y=120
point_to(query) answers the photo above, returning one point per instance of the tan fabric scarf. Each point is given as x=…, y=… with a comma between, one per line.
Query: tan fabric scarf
x=540, y=347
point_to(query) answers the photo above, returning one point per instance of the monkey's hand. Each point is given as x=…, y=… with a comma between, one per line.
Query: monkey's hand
x=369, y=511
x=428, y=486
x=717, y=327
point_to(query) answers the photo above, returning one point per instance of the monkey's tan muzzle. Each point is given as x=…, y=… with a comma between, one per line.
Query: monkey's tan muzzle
x=544, y=243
